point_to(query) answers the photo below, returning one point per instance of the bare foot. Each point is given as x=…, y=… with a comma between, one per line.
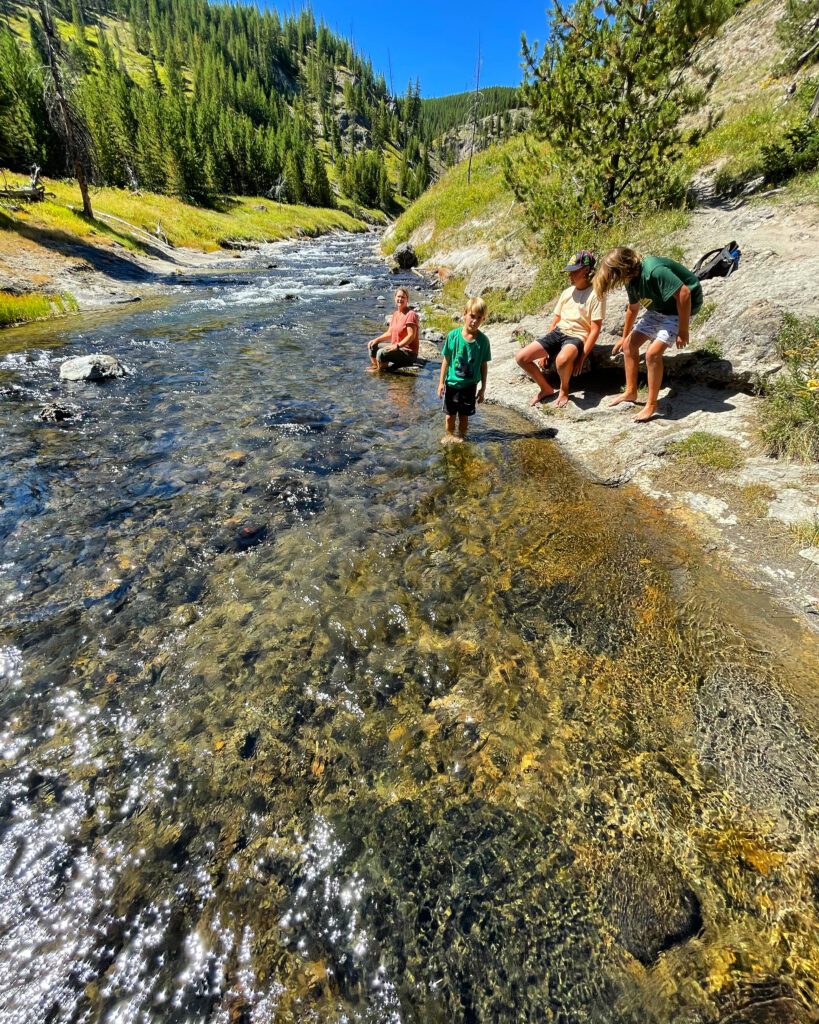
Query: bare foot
x=623, y=398
x=451, y=439
x=561, y=401
x=541, y=396
x=647, y=414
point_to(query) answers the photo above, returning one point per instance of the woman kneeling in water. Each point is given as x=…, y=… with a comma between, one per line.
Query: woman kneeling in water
x=400, y=340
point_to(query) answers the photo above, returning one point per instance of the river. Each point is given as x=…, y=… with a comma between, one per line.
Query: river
x=306, y=717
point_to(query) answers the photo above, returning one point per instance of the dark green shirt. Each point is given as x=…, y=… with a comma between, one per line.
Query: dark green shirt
x=465, y=358
x=658, y=282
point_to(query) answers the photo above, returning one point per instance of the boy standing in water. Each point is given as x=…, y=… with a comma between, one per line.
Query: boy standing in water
x=464, y=366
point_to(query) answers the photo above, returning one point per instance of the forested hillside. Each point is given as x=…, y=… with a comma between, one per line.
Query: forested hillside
x=197, y=99
x=477, y=118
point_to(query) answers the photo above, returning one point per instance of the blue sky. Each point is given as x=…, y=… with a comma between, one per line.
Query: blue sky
x=437, y=40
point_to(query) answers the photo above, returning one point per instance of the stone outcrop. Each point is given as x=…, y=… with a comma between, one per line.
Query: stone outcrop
x=405, y=256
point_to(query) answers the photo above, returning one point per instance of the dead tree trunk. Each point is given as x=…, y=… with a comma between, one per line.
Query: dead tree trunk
x=66, y=121
x=475, y=104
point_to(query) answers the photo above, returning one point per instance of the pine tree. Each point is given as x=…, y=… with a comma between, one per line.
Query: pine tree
x=20, y=142
x=293, y=178
x=609, y=92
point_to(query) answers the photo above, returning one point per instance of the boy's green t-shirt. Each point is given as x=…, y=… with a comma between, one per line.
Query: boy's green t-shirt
x=657, y=283
x=465, y=358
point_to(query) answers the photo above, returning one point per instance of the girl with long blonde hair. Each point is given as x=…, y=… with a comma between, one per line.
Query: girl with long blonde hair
x=666, y=295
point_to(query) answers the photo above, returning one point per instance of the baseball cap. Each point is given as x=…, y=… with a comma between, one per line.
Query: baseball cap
x=583, y=258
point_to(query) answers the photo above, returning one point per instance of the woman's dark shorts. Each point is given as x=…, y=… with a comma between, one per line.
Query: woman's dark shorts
x=397, y=357
x=556, y=340
x=460, y=401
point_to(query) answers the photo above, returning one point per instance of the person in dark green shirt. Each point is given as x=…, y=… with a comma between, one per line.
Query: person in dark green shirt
x=666, y=295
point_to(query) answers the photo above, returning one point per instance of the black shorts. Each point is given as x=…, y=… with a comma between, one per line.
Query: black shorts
x=460, y=401
x=556, y=340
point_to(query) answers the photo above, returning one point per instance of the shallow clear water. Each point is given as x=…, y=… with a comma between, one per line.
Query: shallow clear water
x=307, y=718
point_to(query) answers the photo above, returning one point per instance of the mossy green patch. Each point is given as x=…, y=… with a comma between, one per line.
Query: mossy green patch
x=708, y=451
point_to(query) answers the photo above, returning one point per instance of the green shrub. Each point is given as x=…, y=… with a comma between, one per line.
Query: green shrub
x=710, y=451
x=711, y=346
x=790, y=411
x=707, y=310
x=798, y=152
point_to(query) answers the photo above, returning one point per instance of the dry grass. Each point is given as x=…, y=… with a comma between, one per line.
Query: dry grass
x=807, y=533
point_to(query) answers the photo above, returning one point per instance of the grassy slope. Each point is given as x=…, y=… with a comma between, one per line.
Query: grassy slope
x=245, y=218
x=43, y=235
x=452, y=214
x=450, y=204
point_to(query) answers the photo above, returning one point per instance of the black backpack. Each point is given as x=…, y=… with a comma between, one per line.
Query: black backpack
x=718, y=262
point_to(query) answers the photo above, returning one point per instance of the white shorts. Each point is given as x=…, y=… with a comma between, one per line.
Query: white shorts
x=658, y=326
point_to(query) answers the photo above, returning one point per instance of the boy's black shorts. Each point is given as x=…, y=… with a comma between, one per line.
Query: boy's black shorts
x=460, y=401
x=555, y=341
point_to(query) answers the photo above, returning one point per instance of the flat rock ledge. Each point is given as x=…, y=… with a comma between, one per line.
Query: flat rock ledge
x=93, y=367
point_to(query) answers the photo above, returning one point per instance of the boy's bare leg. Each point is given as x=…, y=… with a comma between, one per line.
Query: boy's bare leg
x=631, y=356
x=527, y=361
x=463, y=426
x=564, y=364
x=450, y=436
x=654, y=366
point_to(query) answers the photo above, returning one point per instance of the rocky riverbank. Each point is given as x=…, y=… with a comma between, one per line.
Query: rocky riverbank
x=701, y=460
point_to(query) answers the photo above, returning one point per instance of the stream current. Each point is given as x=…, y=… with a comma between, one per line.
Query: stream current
x=307, y=718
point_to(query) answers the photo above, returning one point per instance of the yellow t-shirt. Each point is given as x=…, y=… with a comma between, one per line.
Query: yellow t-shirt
x=577, y=308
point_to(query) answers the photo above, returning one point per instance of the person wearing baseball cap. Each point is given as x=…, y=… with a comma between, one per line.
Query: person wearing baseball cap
x=572, y=333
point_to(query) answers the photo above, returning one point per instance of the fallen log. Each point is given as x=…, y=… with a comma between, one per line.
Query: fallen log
x=24, y=194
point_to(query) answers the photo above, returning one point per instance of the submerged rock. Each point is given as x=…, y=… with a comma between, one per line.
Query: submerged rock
x=650, y=906
x=294, y=416
x=93, y=367
x=782, y=1010
x=295, y=495
x=237, y=537
x=58, y=412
